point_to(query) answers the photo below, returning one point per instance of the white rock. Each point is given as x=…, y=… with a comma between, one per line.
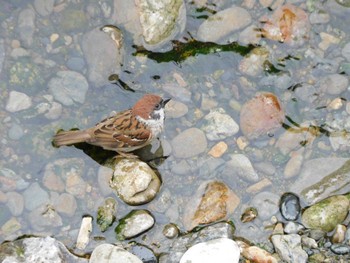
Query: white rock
x=221, y=250
x=107, y=253
x=84, y=232
x=18, y=101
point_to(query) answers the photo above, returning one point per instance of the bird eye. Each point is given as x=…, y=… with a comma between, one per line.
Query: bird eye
x=157, y=107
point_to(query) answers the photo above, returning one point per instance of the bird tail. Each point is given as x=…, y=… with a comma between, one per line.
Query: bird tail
x=70, y=137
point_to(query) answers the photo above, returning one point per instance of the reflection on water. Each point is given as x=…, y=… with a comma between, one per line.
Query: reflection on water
x=46, y=191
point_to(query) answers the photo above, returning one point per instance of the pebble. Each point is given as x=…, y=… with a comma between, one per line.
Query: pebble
x=226, y=22
x=84, y=233
x=144, y=253
x=259, y=186
x=346, y=51
x=34, y=196
x=219, y=125
x=213, y=201
x=218, y=149
x=294, y=164
x=26, y=26
x=134, y=224
x=339, y=234
x=189, y=143
x=240, y=165
x=53, y=182
x=76, y=64
x=104, y=175
x=178, y=93
x=319, y=18
x=340, y=249
x=66, y=205
x=175, y=109
x=18, y=101
x=106, y=253
x=44, y=217
x=266, y=203
x=334, y=84
x=10, y=227
x=170, y=231
x=290, y=206
x=76, y=185
x=68, y=87
x=44, y=7
x=15, y=132
x=289, y=248
x=293, y=227
x=2, y=53
x=255, y=254
x=106, y=213
x=221, y=250
x=326, y=214
x=309, y=242
x=135, y=182
x=15, y=203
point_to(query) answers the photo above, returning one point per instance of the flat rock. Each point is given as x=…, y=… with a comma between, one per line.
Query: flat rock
x=107, y=253
x=18, y=101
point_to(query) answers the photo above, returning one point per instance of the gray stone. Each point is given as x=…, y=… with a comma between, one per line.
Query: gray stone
x=44, y=7
x=2, y=53
x=37, y=249
x=45, y=217
x=15, y=203
x=15, y=132
x=345, y=51
x=240, y=165
x=334, y=84
x=189, y=143
x=221, y=250
x=106, y=213
x=319, y=18
x=68, y=87
x=66, y=205
x=134, y=224
x=267, y=204
x=219, y=125
x=289, y=248
x=34, y=196
x=26, y=26
x=107, y=253
x=224, y=22
x=322, y=177
x=104, y=176
x=177, y=92
x=134, y=181
x=18, y=101
x=102, y=56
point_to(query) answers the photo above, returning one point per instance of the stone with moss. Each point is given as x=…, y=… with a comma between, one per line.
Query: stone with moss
x=106, y=214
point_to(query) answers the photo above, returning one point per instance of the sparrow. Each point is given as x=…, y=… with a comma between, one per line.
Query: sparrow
x=124, y=132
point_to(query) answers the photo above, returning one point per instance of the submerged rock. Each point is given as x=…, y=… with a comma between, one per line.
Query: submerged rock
x=18, y=101
x=107, y=253
x=106, y=214
x=326, y=214
x=290, y=206
x=134, y=224
x=261, y=115
x=135, y=182
x=189, y=143
x=289, y=248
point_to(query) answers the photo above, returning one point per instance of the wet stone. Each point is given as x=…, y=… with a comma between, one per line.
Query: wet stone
x=34, y=196
x=219, y=125
x=143, y=253
x=134, y=181
x=289, y=248
x=106, y=253
x=18, y=101
x=346, y=51
x=26, y=26
x=339, y=234
x=15, y=132
x=334, y=84
x=104, y=176
x=266, y=204
x=44, y=217
x=170, y=231
x=189, y=143
x=106, y=213
x=68, y=87
x=44, y=7
x=340, y=249
x=15, y=203
x=290, y=206
x=134, y=224
x=240, y=165
x=66, y=204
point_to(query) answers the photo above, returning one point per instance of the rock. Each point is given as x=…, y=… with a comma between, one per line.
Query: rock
x=135, y=182
x=15, y=203
x=293, y=228
x=225, y=23
x=175, y=109
x=334, y=84
x=221, y=250
x=102, y=56
x=290, y=206
x=106, y=253
x=68, y=87
x=253, y=63
x=255, y=254
x=189, y=143
x=134, y=224
x=84, y=233
x=266, y=203
x=18, y=101
x=170, y=231
x=34, y=196
x=177, y=92
x=45, y=217
x=259, y=186
x=10, y=227
x=240, y=165
x=288, y=24
x=219, y=125
x=213, y=201
x=144, y=253
x=106, y=214
x=322, y=177
x=15, y=132
x=37, y=249
x=2, y=53
x=161, y=21
x=326, y=214
x=218, y=149
x=53, y=182
x=44, y=7
x=26, y=26
x=104, y=176
x=261, y=115
x=289, y=248
x=76, y=185
x=294, y=164
x=66, y=205
x=249, y=214
x=181, y=244
x=339, y=234
x=309, y=242
x=345, y=51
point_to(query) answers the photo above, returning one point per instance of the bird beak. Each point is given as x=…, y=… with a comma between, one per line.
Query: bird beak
x=164, y=101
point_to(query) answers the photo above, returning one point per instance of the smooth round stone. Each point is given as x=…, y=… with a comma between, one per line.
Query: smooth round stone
x=15, y=203
x=144, y=253
x=34, y=196
x=189, y=143
x=340, y=249
x=170, y=231
x=66, y=204
x=290, y=206
x=75, y=63
x=346, y=51
x=240, y=165
x=289, y=248
x=266, y=203
x=44, y=7
x=18, y=101
x=107, y=253
x=15, y=132
x=334, y=84
x=221, y=250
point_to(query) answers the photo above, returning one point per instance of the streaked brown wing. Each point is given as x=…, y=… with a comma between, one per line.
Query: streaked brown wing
x=120, y=133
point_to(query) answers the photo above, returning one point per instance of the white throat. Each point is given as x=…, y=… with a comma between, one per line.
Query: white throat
x=154, y=124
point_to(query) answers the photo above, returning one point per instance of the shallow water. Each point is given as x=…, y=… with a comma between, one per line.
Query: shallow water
x=210, y=81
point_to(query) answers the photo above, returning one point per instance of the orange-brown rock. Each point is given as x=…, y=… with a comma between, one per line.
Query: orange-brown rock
x=261, y=115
